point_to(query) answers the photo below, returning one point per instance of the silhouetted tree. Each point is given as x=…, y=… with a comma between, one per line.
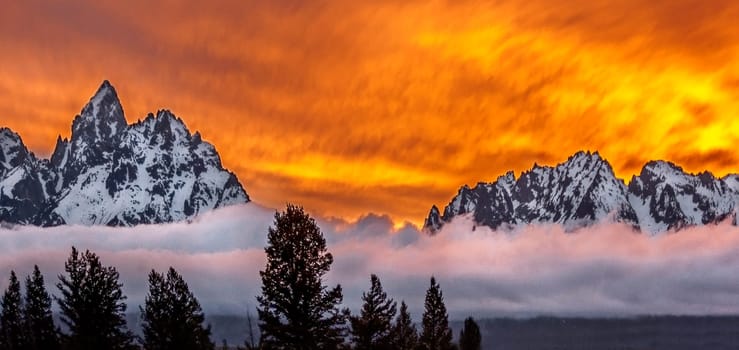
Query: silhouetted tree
x=436, y=334
x=469, y=336
x=404, y=334
x=39, y=323
x=372, y=328
x=92, y=304
x=11, y=319
x=296, y=310
x=172, y=316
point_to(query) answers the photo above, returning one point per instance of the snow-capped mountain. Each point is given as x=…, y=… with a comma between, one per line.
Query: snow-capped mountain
x=666, y=198
x=584, y=190
x=112, y=173
x=24, y=180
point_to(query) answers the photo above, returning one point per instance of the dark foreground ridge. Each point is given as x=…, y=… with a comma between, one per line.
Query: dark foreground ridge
x=113, y=173
x=553, y=333
x=649, y=332
x=584, y=190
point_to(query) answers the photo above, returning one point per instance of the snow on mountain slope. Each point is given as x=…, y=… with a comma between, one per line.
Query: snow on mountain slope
x=669, y=198
x=24, y=180
x=12, y=151
x=584, y=190
x=112, y=173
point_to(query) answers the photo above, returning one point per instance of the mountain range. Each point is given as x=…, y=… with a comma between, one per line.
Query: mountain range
x=113, y=173
x=584, y=190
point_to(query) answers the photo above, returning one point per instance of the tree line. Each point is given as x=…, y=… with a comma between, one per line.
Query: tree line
x=296, y=310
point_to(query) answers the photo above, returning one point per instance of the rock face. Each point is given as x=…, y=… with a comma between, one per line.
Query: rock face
x=666, y=198
x=112, y=173
x=25, y=182
x=584, y=190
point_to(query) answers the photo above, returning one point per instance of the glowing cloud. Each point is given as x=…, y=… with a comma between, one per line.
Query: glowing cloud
x=601, y=270
x=389, y=106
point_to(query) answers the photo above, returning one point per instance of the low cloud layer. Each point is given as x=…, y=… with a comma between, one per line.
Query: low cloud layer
x=603, y=270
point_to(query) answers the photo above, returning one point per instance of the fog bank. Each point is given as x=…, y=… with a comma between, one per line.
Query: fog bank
x=603, y=270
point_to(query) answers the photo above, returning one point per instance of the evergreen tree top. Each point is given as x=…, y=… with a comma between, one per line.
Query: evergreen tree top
x=12, y=302
x=405, y=336
x=92, y=303
x=436, y=334
x=11, y=318
x=41, y=332
x=172, y=316
x=296, y=310
x=373, y=328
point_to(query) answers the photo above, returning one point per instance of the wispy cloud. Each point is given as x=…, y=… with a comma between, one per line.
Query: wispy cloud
x=602, y=270
x=389, y=106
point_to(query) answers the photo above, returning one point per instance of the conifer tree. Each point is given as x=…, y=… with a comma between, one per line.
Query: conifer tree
x=92, y=304
x=372, y=328
x=469, y=336
x=436, y=334
x=404, y=335
x=11, y=318
x=172, y=316
x=296, y=310
x=39, y=323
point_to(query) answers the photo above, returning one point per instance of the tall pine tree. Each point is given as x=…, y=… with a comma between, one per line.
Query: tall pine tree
x=404, y=335
x=296, y=310
x=172, y=316
x=436, y=334
x=469, y=336
x=372, y=328
x=11, y=318
x=39, y=323
x=92, y=304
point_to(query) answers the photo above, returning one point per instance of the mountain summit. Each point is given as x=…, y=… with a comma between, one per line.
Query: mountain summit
x=113, y=173
x=584, y=190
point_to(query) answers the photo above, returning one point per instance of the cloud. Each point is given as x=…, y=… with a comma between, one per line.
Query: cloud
x=372, y=101
x=601, y=270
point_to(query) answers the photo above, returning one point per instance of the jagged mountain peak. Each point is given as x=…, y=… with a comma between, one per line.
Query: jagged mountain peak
x=12, y=150
x=587, y=159
x=112, y=173
x=7, y=132
x=9, y=138
x=101, y=118
x=433, y=220
x=582, y=160
x=666, y=197
x=584, y=190
x=169, y=123
x=167, y=131
x=509, y=176
x=669, y=171
x=661, y=168
x=60, y=156
x=572, y=192
x=585, y=154
x=162, y=119
x=661, y=172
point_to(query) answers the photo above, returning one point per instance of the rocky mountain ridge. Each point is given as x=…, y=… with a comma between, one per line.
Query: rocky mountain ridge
x=584, y=190
x=113, y=173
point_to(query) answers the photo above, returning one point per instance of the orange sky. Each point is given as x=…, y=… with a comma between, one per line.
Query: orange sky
x=389, y=106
